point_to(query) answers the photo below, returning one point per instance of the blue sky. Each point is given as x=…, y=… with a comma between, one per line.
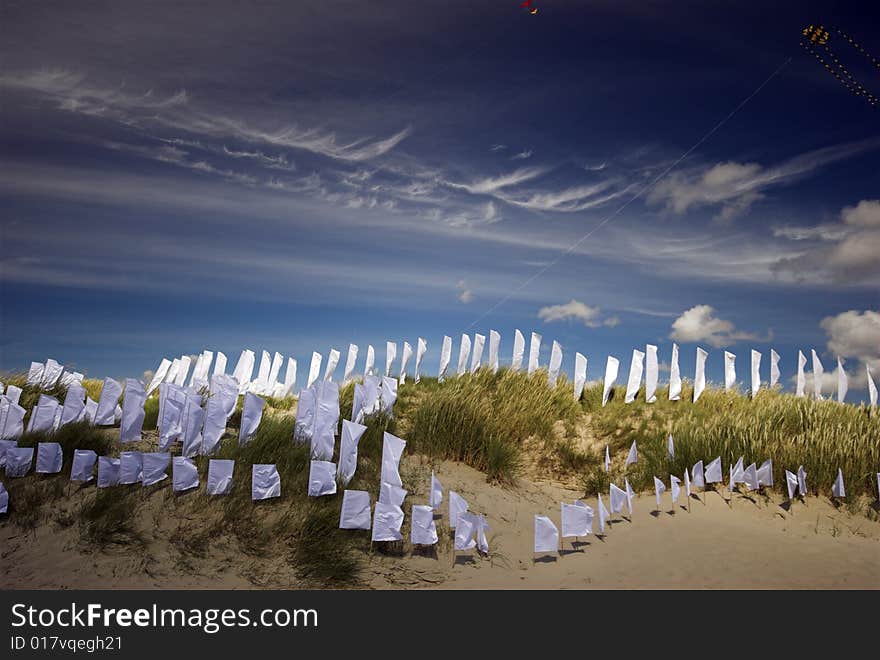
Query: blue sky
x=298, y=178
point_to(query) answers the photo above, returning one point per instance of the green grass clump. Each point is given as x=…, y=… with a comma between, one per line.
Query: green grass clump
x=108, y=518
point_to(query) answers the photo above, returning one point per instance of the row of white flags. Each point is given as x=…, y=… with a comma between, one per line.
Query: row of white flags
x=577, y=518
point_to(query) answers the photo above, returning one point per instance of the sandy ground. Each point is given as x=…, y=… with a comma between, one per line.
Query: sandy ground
x=751, y=542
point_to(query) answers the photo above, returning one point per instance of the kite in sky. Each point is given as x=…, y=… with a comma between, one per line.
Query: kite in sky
x=817, y=41
x=528, y=5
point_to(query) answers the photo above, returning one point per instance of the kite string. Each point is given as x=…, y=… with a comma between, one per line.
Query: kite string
x=646, y=188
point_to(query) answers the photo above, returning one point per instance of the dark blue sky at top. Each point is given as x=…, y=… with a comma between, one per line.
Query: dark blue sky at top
x=178, y=176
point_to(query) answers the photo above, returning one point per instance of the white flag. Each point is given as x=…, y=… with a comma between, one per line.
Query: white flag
x=618, y=498
x=659, y=489
x=352, y=433
x=457, y=506
x=700, y=374
x=463, y=352
x=465, y=531
x=670, y=446
x=219, y=364
x=842, y=384
x=729, y=370
x=555, y=364
x=736, y=473
x=580, y=375
x=698, y=475
x=83, y=467
x=50, y=458
x=546, y=535
x=370, y=363
x=423, y=530
x=838, y=489
x=802, y=481
x=713, y=471
x=603, y=515
x=674, y=376
x=421, y=349
x=110, y=392
x=262, y=374
x=159, y=376
x=350, y=362
x=184, y=473
x=494, y=345
x=404, y=360
x=534, y=352
x=387, y=521
x=687, y=484
x=632, y=456
x=445, y=354
x=652, y=373
x=132, y=411
x=355, y=513
x=290, y=377
x=435, y=498
x=35, y=374
x=801, y=379
x=477, y=357
x=322, y=478
x=765, y=473
x=674, y=487
x=774, y=368
x=750, y=477
x=872, y=388
x=314, y=369
x=756, y=372
x=519, y=347
x=392, y=450
x=607, y=460
x=611, y=367
x=251, y=414
x=390, y=356
x=791, y=481
x=630, y=493
x=818, y=372
x=636, y=366
x=277, y=361
x=577, y=519
x=220, y=473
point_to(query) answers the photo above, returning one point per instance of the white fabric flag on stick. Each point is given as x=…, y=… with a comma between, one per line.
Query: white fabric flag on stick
x=534, y=352
x=262, y=381
x=632, y=456
x=423, y=529
x=465, y=532
x=555, y=364
x=159, y=376
x=818, y=373
x=421, y=349
x=192, y=432
x=219, y=364
x=110, y=392
x=352, y=432
x=132, y=411
x=435, y=498
x=791, y=481
x=604, y=516
x=83, y=467
x=43, y=415
x=265, y=481
x=108, y=471
x=494, y=345
x=477, y=355
x=369, y=364
x=765, y=473
x=700, y=374
x=750, y=477
x=326, y=420
x=580, y=375
x=131, y=467
x=18, y=461
x=659, y=489
x=737, y=473
x=244, y=369
x=274, y=371
x=687, y=484
x=457, y=506
x=322, y=478
x=652, y=373
x=636, y=366
x=674, y=488
x=670, y=446
x=842, y=383
x=698, y=475
x=220, y=473
x=390, y=356
x=729, y=370
x=872, y=388
x=611, y=367
x=674, y=376
x=756, y=372
x=577, y=519
x=184, y=474
x=290, y=377
x=838, y=489
x=182, y=370
x=802, y=481
x=4, y=499
x=392, y=494
x=50, y=458
x=314, y=369
x=801, y=378
x=405, y=356
x=546, y=535
x=445, y=355
x=387, y=521
x=332, y=361
x=618, y=498
x=350, y=362
x=171, y=376
x=51, y=372
x=35, y=374
x=482, y=527
x=155, y=467
x=463, y=353
x=251, y=414
x=774, y=368
x=392, y=450
x=713, y=471
x=388, y=395
x=630, y=493
x=355, y=512
x=519, y=347
x=607, y=460
x=13, y=394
